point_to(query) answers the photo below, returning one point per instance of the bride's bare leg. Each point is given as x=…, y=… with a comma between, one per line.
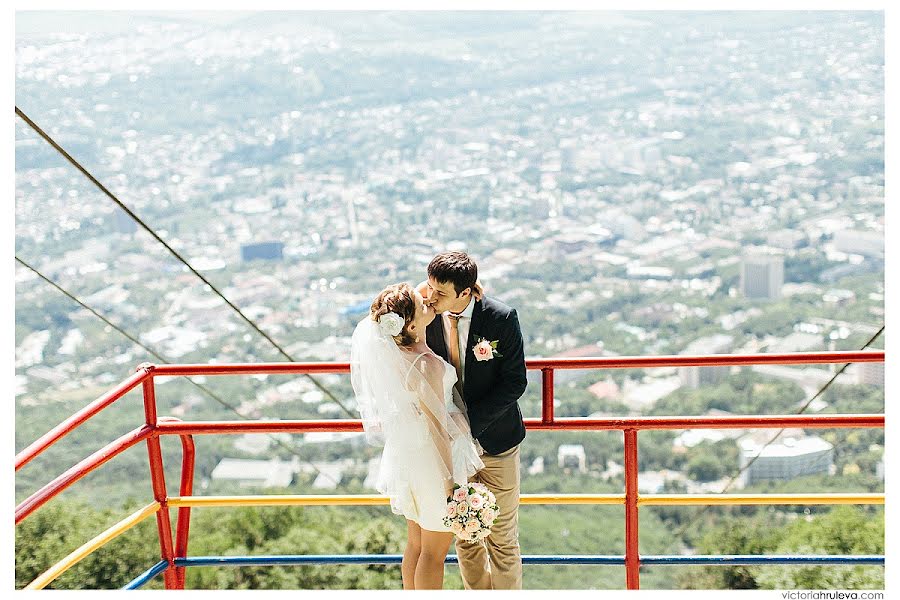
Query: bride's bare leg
x=430, y=567
x=411, y=554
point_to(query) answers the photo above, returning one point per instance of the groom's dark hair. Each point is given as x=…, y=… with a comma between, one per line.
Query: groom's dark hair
x=456, y=268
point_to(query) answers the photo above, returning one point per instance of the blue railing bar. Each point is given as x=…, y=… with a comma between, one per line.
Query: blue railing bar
x=539, y=559
x=375, y=559
x=147, y=575
x=754, y=559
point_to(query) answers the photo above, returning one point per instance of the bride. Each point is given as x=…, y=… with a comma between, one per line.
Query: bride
x=407, y=401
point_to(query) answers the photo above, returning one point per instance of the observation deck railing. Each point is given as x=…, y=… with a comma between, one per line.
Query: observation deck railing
x=173, y=548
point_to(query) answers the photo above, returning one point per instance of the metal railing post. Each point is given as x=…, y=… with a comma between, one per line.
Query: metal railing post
x=158, y=480
x=547, y=396
x=632, y=555
x=183, y=522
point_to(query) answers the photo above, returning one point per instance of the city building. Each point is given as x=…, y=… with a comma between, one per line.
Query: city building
x=694, y=377
x=654, y=482
x=256, y=473
x=689, y=438
x=572, y=456
x=853, y=241
x=870, y=373
x=262, y=250
x=839, y=297
x=786, y=459
x=537, y=466
x=786, y=239
x=605, y=389
x=762, y=275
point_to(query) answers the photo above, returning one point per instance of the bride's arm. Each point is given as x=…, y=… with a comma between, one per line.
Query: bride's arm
x=432, y=406
x=461, y=428
x=440, y=437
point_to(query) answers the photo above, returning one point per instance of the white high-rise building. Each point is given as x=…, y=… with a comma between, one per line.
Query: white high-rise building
x=762, y=275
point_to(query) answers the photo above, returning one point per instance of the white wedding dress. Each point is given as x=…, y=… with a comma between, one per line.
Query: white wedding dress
x=408, y=402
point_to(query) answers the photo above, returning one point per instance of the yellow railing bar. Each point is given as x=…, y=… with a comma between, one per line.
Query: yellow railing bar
x=369, y=500
x=44, y=579
x=734, y=499
x=275, y=500
x=572, y=499
x=647, y=500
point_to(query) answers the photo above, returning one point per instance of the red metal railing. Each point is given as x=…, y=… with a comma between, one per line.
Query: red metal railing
x=155, y=427
x=49, y=438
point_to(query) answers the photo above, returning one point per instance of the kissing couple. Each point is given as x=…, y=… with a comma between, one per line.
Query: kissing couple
x=438, y=371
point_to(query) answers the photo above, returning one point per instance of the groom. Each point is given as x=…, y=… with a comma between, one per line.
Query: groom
x=481, y=338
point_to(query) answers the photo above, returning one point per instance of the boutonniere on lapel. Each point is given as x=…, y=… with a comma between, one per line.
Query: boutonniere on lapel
x=485, y=349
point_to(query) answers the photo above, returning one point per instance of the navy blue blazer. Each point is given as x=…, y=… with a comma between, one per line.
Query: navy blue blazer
x=492, y=388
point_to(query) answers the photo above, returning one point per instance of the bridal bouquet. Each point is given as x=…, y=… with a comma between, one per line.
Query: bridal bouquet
x=471, y=511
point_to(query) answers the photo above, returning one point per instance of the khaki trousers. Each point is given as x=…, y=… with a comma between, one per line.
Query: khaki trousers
x=495, y=563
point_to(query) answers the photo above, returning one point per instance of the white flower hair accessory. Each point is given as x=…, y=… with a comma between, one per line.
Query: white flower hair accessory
x=391, y=324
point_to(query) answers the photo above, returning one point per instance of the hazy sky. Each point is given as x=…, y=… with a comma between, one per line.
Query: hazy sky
x=114, y=21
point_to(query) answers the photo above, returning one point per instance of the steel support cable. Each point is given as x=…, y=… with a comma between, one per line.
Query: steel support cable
x=174, y=253
x=803, y=408
x=202, y=388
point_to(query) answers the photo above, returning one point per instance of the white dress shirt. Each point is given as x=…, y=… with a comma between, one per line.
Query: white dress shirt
x=463, y=326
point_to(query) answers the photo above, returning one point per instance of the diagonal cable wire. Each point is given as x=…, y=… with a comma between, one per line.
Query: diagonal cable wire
x=174, y=253
x=202, y=388
x=803, y=408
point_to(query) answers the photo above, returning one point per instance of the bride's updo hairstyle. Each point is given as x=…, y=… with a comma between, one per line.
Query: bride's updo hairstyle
x=397, y=298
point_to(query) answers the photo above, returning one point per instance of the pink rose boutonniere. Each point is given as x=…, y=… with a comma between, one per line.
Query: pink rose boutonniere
x=485, y=349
